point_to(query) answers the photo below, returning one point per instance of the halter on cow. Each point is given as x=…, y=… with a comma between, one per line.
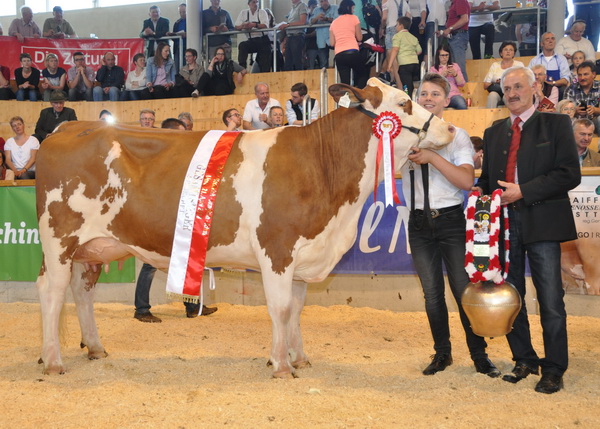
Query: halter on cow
x=288, y=205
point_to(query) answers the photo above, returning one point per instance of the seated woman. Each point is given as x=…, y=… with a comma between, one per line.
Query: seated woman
x=136, y=79
x=21, y=150
x=160, y=74
x=577, y=58
x=491, y=81
x=545, y=98
x=27, y=79
x=218, y=78
x=189, y=75
x=566, y=107
x=5, y=172
x=54, y=78
x=445, y=66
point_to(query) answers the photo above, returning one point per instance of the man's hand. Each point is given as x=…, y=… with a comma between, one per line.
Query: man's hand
x=148, y=31
x=420, y=156
x=511, y=194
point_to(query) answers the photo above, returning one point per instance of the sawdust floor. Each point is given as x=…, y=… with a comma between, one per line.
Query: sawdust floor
x=211, y=372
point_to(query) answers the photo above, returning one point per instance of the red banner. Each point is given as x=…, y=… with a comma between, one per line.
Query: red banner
x=94, y=50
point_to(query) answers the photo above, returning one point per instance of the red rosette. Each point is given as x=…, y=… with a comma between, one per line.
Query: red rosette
x=388, y=121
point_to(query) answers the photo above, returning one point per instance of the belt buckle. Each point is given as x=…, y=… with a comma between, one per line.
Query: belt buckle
x=434, y=213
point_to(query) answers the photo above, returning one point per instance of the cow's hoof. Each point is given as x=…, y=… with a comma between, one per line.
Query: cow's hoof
x=40, y=361
x=93, y=355
x=269, y=363
x=286, y=375
x=54, y=370
x=302, y=364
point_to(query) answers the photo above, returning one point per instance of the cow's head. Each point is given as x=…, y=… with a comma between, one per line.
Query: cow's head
x=419, y=127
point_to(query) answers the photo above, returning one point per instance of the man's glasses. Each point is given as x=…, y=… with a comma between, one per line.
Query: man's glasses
x=237, y=115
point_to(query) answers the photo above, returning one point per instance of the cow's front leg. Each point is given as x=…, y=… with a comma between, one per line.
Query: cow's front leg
x=83, y=285
x=294, y=335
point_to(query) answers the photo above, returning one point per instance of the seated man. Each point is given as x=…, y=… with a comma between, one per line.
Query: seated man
x=111, y=78
x=293, y=106
x=586, y=93
x=583, y=129
x=232, y=120
x=56, y=27
x=257, y=42
x=80, y=79
x=51, y=117
x=147, y=118
x=256, y=112
x=188, y=121
x=276, y=116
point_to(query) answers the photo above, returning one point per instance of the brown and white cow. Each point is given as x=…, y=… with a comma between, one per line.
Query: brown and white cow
x=288, y=205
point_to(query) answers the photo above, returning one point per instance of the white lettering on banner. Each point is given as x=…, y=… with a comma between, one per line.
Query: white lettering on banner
x=22, y=235
x=371, y=222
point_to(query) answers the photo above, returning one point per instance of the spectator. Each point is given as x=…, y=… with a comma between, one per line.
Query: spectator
x=147, y=118
x=457, y=28
x=583, y=129
x=586, y=93
x=111, y=78
x=51, y=117
x=590, y=13
x=392, y=10
x=27, y=79
x=294, y=106
x=482, y=25
x=106, y=116
x=574, y=41
x=437, y=12
x=324, y=14
x=153, y=29
x=545, y=95
x=5, y=91
x=179, y=29
x=557, y=67
x=5, y=172
x=54, y=78
x=445, y=66
x=136, y=79
x=189, y=75
x=218, y=78
x=294, y=44
x=577, y=58
x=21, y=150
x=418, y=12
x=187, y=120
x=56, y=27
x=566, y=107
x=276, y=116
x=526, y=35
x=24, y=27
x=256, y=112
x=257, y=42
x=406, y=49
x=80, y=79
x=310, y=39
x=344, y=35
x=216, y=20
x=160, y=74
x=363, y=13
x=478, y=148
x=491, y=81
x=173, y=124
x=232, y=120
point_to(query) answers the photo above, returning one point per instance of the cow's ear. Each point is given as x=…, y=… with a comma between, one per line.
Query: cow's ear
x=338, y=90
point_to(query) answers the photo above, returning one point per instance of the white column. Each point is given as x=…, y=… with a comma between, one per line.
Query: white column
x=556, y=18
x=193, y=20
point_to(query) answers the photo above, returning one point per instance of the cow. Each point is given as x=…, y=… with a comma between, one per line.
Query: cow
x=578, y=261
x=288, y=206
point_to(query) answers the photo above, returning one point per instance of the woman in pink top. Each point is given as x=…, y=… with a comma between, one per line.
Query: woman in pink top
x=445, y=66
x=344, y=35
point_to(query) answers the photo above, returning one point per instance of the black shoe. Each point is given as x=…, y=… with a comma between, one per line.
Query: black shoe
x=519, y=372
x=146, y=317
x=549, y=383
x=192, y=311
x=439, y=363
x=485, y=366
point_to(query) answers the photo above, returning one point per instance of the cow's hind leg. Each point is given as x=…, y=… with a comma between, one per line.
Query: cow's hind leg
x=83, y=286
x=296, y=348
x=52, y=286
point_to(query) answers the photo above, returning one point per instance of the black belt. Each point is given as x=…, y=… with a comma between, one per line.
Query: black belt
x=348, y=51
x=459, y=31
x=438, y=212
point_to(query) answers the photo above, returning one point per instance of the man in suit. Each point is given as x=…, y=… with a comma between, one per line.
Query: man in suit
x=154, y=28
x=533, y=157
x=51, y=117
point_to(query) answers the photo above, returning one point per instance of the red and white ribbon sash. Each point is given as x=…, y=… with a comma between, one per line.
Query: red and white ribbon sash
x=386, y=127
x=194, y=215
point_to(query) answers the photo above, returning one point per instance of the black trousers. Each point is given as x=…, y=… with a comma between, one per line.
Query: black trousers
x=346, y=61
x=475, y=33
x=408, y=74
x=256, y=45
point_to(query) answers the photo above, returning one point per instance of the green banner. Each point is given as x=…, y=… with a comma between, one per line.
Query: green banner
x=20, y=249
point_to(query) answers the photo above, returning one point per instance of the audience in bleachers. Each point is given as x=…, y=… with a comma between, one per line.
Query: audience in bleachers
x=256, y=42
x=577, y=58
x=586, y=93
x=294, y=106
x=5, y=172
x=557, y=67
x=188, y=121
x=444, y=65
x=491, y=82
x=566, y=107
x=160, y=74
x=583, y=129
x=154, y=28
x=136, y=79
x=111, y=78
x=27, y=79
x=21, y=150
x=54, y=78
x=189, y=75
x=574, y=41
x=25, y=26
x=216, y=20
x=51, y=117
x=545, y=96
x=218, y=78
x=406, y=50
x=232, y=120
x=276, y=117
x=80, y=79
x=256, y=112
x=57, y=27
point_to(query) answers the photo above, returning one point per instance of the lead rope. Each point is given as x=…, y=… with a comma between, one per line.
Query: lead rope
x=418, y=224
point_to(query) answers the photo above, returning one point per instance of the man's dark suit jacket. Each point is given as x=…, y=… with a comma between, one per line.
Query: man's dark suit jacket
x=547, y=168
x=162, y=28
x=48, y=121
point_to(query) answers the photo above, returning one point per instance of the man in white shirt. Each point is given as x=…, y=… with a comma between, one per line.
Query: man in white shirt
x=257, y=42
x=482, y=25
x=294, y=106
x=256, y=112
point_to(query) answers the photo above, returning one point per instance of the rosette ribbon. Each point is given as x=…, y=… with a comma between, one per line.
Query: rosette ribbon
x=386, y=127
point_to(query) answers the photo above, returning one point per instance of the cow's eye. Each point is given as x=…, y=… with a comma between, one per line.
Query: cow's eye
x=402, y=103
